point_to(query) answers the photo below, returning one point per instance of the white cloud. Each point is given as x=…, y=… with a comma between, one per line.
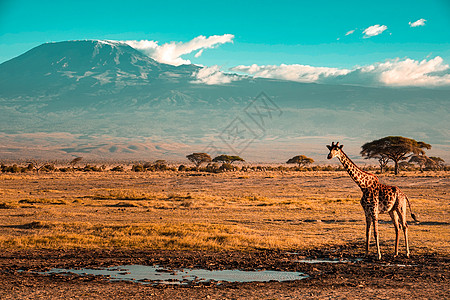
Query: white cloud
x=420, y=22
x=374, y=30
x=199, y=53
x=409, y=72
x=396, y=72
x=301, y=73
x=350, y=32
x=212, y=75
x=170, y=53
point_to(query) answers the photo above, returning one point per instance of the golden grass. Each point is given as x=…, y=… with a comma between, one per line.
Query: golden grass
x=233, y=211
x=184, y=236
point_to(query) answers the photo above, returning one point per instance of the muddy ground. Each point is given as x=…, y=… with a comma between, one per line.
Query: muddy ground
x=419, y=277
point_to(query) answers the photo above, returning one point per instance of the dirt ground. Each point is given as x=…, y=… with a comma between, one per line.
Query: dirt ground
x=259, y=221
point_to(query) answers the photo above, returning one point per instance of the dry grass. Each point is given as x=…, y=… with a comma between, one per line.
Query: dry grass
x=232, y=211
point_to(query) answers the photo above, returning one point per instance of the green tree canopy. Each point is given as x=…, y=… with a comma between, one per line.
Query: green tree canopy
x=199, y=158
x=227, y=158
x=300, y=160
x=395, y=148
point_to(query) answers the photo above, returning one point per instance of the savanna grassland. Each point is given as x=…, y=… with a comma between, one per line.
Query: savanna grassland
x=201, y=211
x=240, y=215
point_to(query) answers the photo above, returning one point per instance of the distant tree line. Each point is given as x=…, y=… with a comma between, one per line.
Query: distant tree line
x=209, y=168
x=405, y=153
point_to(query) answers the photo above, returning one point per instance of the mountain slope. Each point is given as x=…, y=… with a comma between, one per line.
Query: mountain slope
x=108, y=100
x=84, y=66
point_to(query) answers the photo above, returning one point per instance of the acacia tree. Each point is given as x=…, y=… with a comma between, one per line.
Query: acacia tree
x=74, y=161
x=227, y=158
x=421, y=160
x=36, y=165
x=382, y=159
x=199, y=158
x=395, y=148
x=435, y=162
x=300, y=160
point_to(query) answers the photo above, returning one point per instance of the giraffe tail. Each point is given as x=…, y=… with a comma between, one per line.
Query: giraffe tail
x=412, y=215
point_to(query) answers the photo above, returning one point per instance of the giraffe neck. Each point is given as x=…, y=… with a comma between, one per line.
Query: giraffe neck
x=363, y=179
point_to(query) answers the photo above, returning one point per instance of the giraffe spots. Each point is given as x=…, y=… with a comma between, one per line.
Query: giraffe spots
x=388, y=198
x=377, y=198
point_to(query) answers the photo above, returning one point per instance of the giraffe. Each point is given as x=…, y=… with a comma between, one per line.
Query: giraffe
x=377, y=198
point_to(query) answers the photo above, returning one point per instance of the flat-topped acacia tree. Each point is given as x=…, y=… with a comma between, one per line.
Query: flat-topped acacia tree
x=421, y=160
x=395, y=148
x=435, y=162
x=227, y=158
x=74, y=161
x=199, y=158
x=300, y=160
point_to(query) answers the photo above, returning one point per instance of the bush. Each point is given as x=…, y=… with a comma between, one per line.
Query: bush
x=48, y=168
x=89, y=168
x=137, y=168
x=226, y=167
x=211, y=168
x=117, y=169
x=328, y=168
x=13, y=169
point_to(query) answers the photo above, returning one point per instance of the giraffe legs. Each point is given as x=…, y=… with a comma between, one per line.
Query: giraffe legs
x=372, y=220
x=368, y=224
x=375, y=233
x=402, y=216
x=371, y=212
x=394, y=218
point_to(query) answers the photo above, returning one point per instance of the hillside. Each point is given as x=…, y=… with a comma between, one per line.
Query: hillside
x=107, y=100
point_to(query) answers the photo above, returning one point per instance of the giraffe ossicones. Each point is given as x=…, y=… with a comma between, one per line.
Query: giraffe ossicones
x=377, y=198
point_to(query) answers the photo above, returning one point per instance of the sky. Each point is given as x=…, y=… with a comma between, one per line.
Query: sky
x=393, y=42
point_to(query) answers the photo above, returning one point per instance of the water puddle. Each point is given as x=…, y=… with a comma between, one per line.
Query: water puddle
x=399, y=265
x=158, y=275
x=344, y=261
x=330, y=261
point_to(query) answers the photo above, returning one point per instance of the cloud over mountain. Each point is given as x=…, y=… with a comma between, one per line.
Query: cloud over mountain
x=170, y=53
x=395, y=72
x=212, y=75
x=295, y=72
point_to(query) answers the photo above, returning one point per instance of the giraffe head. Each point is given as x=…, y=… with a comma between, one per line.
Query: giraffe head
x=335, y=150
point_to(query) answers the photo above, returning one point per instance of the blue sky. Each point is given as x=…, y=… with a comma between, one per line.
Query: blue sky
x=311, y=33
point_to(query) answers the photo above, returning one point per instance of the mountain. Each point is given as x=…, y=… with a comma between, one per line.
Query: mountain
x=107, y=100
x=77, y=71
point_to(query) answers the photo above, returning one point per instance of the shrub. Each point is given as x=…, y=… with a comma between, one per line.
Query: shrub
x=89, y=168
x=48, y=168
x=13, y=169
x=117, y=169
x=226, y=167
x=137, y=168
